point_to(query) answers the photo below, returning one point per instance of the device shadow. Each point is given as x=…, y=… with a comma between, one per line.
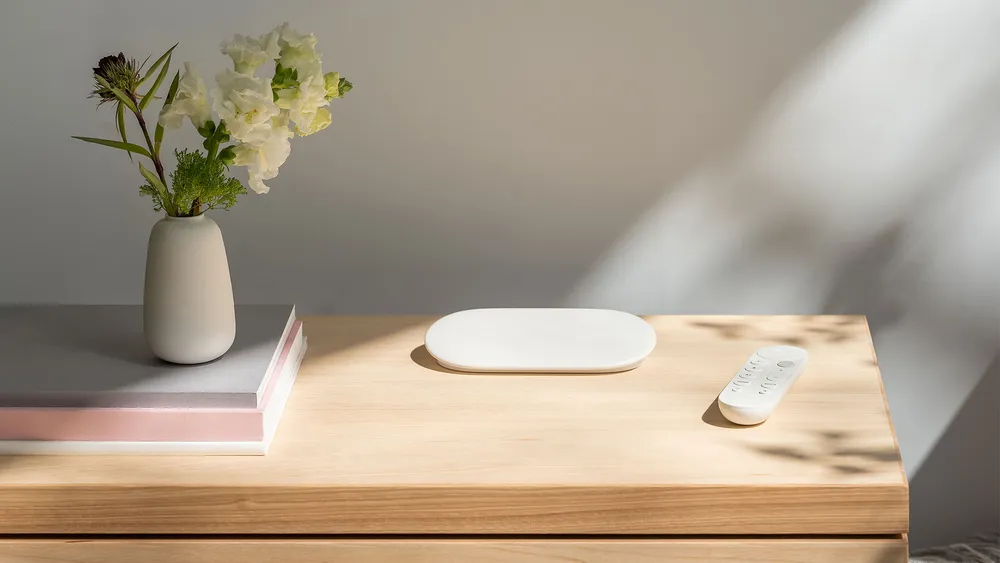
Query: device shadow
x=713, y=417
x=424, y=359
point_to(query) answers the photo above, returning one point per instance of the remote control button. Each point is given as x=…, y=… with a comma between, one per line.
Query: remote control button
x=773, y=378
x=785, y=364
x=758, y=361
x=736, y=389
x=754, y=368
x=769, y=385
x=764, y=392
x=746, y=376
x=741, y=382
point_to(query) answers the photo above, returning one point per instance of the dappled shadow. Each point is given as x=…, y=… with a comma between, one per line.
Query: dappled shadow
x=876, y=455
x=729, y=330
x=791, y=340
x=833, y=450
x=785, y=452
x=823, y=328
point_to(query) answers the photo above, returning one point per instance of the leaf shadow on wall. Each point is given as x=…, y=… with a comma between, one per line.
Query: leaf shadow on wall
x=867, y=186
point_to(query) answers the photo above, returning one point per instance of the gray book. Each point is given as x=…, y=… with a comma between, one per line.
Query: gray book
x=96, y=356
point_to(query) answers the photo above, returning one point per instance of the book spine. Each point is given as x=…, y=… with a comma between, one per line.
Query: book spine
x=138, y=425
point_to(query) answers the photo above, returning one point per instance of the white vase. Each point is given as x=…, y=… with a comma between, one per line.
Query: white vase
x=189, y=316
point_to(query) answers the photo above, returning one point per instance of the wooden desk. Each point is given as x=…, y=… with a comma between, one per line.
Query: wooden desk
x=383, y=456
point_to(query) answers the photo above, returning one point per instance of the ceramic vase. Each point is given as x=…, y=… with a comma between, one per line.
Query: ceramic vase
x=189, y=316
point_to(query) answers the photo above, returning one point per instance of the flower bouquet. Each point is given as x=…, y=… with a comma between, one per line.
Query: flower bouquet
x=246, y=120
x=259, y=116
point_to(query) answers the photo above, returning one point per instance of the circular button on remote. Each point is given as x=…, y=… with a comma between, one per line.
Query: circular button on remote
x=747, y=376
x=758, y=361
x=741, y=382
x=785, y=364
x=753, y=368
x=768, y=385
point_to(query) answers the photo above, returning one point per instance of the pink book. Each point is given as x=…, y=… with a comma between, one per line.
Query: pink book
x=127, y=429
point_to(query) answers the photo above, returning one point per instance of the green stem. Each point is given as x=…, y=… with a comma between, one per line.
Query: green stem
x=214, y=141
x=213, y=149
x=152, y=150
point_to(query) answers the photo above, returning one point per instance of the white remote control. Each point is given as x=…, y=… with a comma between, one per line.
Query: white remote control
x=753, y=393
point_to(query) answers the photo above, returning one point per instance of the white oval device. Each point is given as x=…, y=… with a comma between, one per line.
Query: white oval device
x=540, y=340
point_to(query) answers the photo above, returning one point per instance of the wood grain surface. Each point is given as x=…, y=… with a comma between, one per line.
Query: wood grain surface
x=377, y=438
x=465, y=551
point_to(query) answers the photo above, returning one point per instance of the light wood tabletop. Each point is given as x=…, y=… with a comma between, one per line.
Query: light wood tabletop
x=378, y=439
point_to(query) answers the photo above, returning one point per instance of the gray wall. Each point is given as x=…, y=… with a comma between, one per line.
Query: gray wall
x=660, y=156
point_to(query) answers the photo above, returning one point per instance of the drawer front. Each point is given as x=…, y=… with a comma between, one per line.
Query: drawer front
x=829, y=511
x=847, y=550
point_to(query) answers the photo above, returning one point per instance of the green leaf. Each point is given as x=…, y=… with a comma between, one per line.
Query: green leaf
x=156, y=65
x=121, y=126
x=227, y=156
x=207, y=130
x=284, y=78
x=156, y=85
x=155, y=181
x=117, y=144
x=202, y=179
x=158, y=135
x=344, y=87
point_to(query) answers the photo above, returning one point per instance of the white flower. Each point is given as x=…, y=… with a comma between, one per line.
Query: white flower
x=280, y=120
x=246, y=104
x=296, y=49
x=320, y=122
x=247, y=53
x=304, y=102
x=263, y=159
x=269, y=43
x=190, y=100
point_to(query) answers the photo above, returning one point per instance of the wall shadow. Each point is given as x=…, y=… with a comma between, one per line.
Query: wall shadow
x=955, y=494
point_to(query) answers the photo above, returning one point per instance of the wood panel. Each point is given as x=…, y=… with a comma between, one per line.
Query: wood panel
x=464, y=551
x=379, y=439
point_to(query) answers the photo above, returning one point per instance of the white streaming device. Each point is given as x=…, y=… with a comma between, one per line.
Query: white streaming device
x=540, y=340
x=754, y=392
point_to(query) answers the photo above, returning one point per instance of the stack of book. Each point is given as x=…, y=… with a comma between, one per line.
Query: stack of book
x=81, y=379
